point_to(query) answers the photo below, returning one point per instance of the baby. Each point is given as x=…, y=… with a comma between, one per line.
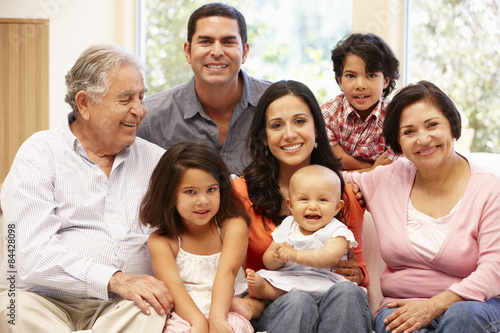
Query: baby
x=307, y=244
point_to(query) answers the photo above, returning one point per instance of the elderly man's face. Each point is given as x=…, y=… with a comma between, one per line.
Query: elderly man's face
x=114, y=122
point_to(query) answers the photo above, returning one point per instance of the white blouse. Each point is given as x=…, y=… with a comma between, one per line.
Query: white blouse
x=427, y=233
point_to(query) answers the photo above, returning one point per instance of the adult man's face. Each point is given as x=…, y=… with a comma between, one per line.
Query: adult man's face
x=216, y=52
x=112, y=125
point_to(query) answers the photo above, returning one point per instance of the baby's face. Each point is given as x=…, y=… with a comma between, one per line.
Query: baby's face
x=314, y=201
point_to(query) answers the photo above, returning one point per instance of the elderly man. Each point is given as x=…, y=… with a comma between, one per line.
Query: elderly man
x=218, y=103
x=78, y=259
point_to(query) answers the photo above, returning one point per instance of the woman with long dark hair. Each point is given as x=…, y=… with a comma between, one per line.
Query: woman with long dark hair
x=288, y=133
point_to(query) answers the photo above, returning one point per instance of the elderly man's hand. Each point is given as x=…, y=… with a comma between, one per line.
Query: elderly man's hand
x=140, y=288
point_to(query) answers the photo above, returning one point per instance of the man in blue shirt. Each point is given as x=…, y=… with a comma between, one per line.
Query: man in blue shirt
x=218, y=103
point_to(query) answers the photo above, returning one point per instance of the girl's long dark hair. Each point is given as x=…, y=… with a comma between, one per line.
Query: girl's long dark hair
x=262, y=174
x=158, y=207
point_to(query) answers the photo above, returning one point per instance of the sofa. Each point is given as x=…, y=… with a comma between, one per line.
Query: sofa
x=374, y=262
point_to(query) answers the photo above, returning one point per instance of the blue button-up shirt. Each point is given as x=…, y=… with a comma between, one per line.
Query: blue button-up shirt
x=176, y=115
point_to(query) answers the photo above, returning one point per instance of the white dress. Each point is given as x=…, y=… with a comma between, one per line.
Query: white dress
x=314, y=281
x=198, y=274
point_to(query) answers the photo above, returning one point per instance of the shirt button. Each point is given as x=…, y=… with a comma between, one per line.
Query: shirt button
x=224, y=154
x=212, y=133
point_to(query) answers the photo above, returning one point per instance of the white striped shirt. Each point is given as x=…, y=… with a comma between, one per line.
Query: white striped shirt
x=74, y=227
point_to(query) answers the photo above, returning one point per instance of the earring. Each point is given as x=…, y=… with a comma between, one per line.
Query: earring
x=267, y=148
x=316, y=145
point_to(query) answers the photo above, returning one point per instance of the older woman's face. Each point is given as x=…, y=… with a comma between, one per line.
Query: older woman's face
x=113, y=123
x=425, y=135
x=290, y=131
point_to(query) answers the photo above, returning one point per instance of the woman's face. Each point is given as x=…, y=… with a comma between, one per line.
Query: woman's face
x=425, y=135
x=290, y=131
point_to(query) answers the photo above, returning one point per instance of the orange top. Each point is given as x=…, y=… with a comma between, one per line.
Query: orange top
x=260, y=237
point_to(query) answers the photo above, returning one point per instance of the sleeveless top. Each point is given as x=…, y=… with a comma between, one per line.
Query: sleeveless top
x=198, y=274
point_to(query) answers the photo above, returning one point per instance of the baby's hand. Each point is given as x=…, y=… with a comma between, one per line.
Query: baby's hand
x=286, y=252
x=276, y=255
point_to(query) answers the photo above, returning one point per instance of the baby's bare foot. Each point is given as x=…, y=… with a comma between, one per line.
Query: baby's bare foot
x=260, y=288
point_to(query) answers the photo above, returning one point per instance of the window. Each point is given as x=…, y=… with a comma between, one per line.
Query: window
x=289, y=39
x=454, y=44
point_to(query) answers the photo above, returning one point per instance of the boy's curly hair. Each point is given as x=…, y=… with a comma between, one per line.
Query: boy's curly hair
x=374, y=51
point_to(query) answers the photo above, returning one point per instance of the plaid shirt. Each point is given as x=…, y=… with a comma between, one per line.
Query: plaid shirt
x=361, y=140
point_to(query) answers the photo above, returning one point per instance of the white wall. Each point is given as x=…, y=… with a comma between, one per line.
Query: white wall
x=74, y=25
x=385, y=18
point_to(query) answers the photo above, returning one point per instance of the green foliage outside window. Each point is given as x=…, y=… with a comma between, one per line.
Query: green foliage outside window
x=453, y=43
x=456, y=45
x=166, y=32
x=288, y=40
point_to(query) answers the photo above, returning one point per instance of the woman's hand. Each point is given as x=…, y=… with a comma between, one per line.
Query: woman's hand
x=350, y=269
x=413, y=315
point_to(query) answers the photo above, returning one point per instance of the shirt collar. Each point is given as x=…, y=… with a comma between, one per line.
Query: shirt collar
x=73, y=141
x=248, y=96
x=69, y=137
x=377, y=113
x=193, y=104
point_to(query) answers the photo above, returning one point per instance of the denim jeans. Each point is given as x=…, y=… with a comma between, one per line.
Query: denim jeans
x=466, y=317
x=343, y=308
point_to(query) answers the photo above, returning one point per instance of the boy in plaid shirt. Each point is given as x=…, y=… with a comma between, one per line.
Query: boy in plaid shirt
x=366, y=71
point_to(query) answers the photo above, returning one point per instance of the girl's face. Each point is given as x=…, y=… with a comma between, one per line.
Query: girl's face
x=425, y=135
x=198, y=197
x=290, y=131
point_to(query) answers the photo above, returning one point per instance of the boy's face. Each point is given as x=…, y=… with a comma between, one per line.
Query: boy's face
x=363, y=90
x=314, y=201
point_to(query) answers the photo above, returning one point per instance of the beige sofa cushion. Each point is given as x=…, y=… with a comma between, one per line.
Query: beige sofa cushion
x=374, y=263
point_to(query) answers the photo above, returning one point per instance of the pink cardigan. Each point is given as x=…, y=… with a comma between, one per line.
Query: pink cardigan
x=468, y=262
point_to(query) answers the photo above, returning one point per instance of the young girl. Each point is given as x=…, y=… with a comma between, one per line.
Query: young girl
x=201, y=240
x=307, y=244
